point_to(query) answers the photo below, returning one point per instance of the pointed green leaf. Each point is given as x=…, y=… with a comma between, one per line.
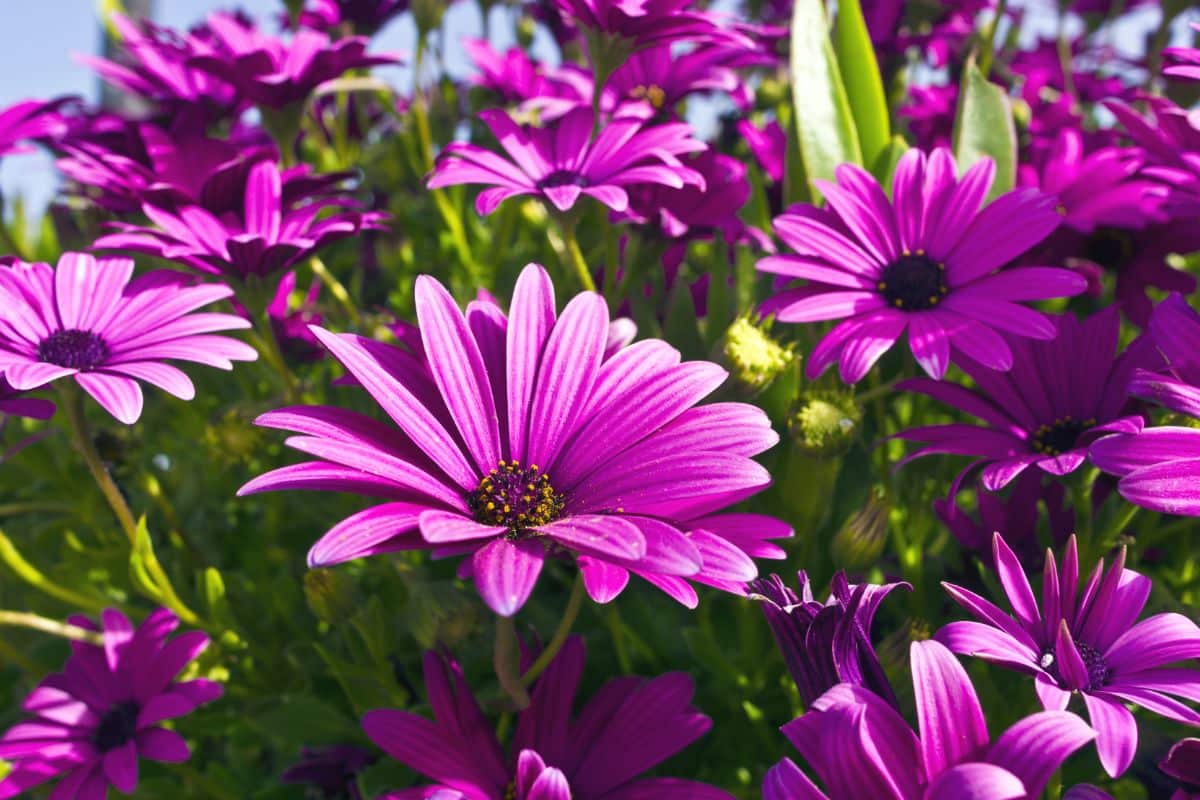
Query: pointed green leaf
x=884, y=166
x=864, y=83
x=983, y=128
x=151, y=579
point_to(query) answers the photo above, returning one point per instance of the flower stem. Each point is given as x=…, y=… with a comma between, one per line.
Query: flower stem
x=35, y=578
x=24, y=619
x=505, y=661
x=987, y=50
x=336, y=288
x=574, y=256
x=268, y=347
x=1118, y=524
x=82, y=435
x=570, y=614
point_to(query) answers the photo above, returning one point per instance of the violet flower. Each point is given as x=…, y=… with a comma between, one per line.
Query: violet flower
x=87, y=320
x=629, y=725
x=365, y=17
x=332, y=771
x=519, y=441
x=1182, y=763
x=643, y=23
x=860, y=747
x=1059, y=396
x=26, y=120
x=516, y=78
x=1183, y=62
x=767, y=144
x=561, y=162
x=929, y=261
x=1085, y=640
x=15, y=404
x=92, y=722
x=824, y=644
x=1171, y=139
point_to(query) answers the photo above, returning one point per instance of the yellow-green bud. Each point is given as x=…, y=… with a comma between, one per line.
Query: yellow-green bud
x=332, y=595
x=825, y=424
x=753, y=357
x=860, y=541
x=526, y=28
x=428, y=14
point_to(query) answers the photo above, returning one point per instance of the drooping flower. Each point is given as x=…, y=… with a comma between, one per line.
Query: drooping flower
x=520, y=441
x=1059, y=396
x=26, y=120
x=767, y=144
x=272, y=73
x=366, y=17
x=629, y=726
x=516, y=78
x=91, y=722
x=1183, y=62
x=928, y=262
x=930, y=112
x=269, y=234
x=561, y=162
x=860, y=747
x=638, y=24
x=1182, y=763
x=1160, y=466
x=332, y=771
x=824, y=644
x=87, y=320
x=1086, y=640
x=1170, y=137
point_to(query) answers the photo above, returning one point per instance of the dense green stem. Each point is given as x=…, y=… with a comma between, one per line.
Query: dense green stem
x=505, y=662
x=574, y=256
x=988, y=47
x=72, y=398
x=570, y=614
x=35, y=578
x=24, y=619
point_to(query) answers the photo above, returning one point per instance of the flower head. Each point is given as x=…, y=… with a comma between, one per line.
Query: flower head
x=1183, y=62
x=629, y=726
x=14, y=404
x=28, y=119
x=366, y=17
x=271, y=232
x=1032, y=417
x=86, y=319
x=767, y=144
x=642, y=23
x=332, y=771
x=1182, y=763
x=562, y=161
x=292, y=323
x=519, y=440
x=1086, y=640
x=92, y=722
x=826, y=643
x=859, y=746
x=928, y=261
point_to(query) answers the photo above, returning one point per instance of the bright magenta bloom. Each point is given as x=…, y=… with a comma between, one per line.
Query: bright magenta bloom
x=519, y=438
x=86, y=319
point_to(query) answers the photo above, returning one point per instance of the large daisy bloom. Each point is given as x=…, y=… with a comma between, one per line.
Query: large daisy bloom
x=930, y=261
x=522, y=437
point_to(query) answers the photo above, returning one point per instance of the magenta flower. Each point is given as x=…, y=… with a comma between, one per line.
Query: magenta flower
x=1182, y=763
x=92, y=722
x=824, y=644
x=659, y=79
x=366, y=17
x=642, y=23
x=767, y=144
x=331, y=771
x=272, y=73
x=1087, y=642
x=860, y=747
x=929, y=261
x=292, y=323
x=28, y=119
x=518, y=440
x=1033, y=415
x=1160, y=467
x=268, y=236
x=1171, y=139
x=629, y=726
x=930, y=112
x=1183, y=62
x=560, y=162
x=86, y=319
x=516, y=78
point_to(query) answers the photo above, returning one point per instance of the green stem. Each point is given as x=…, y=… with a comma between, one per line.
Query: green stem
x=336, y=288
x=988, y=49
x=35, y=578
x=505, y=662
x=72, y=398
x=575, y=260
x=23, y=619
x=8, y=241
x=570, y=614
x=1118, y=524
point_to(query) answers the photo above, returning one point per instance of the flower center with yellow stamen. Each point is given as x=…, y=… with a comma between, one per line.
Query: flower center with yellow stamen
x=519, y=498
x=1053, y=440
x=117, y=726
x=74, y=349
x=913, y=282
x=653, y=94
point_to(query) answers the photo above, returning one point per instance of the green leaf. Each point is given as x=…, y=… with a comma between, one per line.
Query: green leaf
x=864, y=83
x=825, y=132
x=983, y=128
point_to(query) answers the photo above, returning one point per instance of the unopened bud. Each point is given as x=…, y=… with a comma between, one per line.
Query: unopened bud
x=824, y=424
x=428, y=14
x=526, y=28
x=753, y=357
x=331, y=595
x=860, y=541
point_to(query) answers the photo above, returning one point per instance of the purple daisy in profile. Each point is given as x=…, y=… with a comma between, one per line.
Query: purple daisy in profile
x=562, y=161
x=270, y=234
x=767, y=144
x=92, y=722
x=1182, y=763
x=28, y=119
x=1183, y=62
x=629, y=726
x=824, y=644
x=366, y=17
x=928, y=261
x=1059, y=396
x=87, y=320
x=517, y=440
x=15, y=404
x=641, y=23
x=860, y=747
x=1086, y=640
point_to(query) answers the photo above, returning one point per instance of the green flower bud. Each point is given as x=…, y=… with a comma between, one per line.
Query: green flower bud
x=753, y=357
x=526, y=28
x=825, y=424
x=428, y=14
x=331, y=594
x=860, y=541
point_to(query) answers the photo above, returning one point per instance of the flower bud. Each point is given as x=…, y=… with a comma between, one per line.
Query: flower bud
x=860, y=541
x=428, y=14
x=824, y=424
x=526, y=28
x=331, y=595
x=752, y=356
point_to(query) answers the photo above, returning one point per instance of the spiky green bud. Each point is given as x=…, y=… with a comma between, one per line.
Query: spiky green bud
x=753, y=357
x=861, y=539
x=824, y=424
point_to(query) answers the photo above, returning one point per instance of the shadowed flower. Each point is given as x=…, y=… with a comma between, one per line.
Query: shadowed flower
x=518, y=440
x=332, y=771
x=1182, y=763
x=928, y=261
x=1059, y=396
x=1171, y=138
x=366, y=17
x=641, y=23
x=1183, y=62
x=1085, y=640
x=767, y=144
x=15, y=404
x=828, y=643
x=562, y=161
x=94, y=720
x=86, y=319
x=860, y=747
x=629, y=726
x=269, y=235
x=292, y=323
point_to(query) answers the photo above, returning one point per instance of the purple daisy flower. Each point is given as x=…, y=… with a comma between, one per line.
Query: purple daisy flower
x=292, y=323
x=860, y=747
x=518, y=440
x=1088, y=642
x=930, y=112
x=826, y=643
x=269, y=235
x=28, y=119
x=272, y=73
x=86, y=319
x=1171, y=139
x=928, y=261
x=516, y=78
x=15, y=404
x=629, y=726
x=1183, y=62
x=643, y=23
x=562, y=161
x=1182, y=763
x=94, y=720
x=366, y=17
x=332, y=771
x=1059, y=396
x=1160, y=466
x=767, y=144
